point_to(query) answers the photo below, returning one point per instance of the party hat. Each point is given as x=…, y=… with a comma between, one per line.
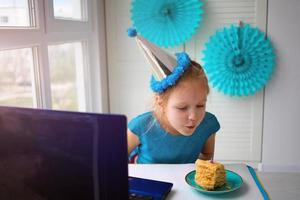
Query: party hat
x=166, y=69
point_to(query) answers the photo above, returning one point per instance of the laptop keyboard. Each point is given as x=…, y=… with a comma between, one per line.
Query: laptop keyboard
x=134, y=196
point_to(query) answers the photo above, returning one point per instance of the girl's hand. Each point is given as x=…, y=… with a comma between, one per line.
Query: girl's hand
x=132, y=141
x=208, y=150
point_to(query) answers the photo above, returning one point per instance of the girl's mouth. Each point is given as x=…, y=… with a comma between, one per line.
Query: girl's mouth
x=190, y=127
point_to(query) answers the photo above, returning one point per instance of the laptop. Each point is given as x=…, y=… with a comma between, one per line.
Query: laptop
x=147, y=189
x=54, y=155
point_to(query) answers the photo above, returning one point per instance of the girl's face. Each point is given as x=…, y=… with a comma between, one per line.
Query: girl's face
x=185, y=108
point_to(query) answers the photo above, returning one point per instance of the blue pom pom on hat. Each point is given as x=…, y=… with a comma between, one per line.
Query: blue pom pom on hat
x=131, y=32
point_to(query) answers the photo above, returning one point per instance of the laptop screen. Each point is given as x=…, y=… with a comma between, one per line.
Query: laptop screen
x=62, y=155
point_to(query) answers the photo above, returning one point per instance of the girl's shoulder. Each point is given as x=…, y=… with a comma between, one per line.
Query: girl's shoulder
x=144, y=117
x=211, y=122
x=141, y=122
x=210, y=116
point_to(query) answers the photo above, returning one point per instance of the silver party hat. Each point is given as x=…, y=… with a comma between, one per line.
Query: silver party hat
x=162, y=63
x=166, y=69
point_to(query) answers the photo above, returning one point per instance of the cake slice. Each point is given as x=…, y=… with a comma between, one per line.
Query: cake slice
x=209, y=175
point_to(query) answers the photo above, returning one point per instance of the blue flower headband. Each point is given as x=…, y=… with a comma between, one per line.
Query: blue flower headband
x=183, y=62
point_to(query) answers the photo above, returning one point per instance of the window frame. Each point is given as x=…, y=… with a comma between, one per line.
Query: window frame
x=48, y=31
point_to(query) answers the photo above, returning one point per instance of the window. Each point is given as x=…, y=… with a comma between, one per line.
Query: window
x=16, y=87
x=66, y=67
x=46, y=50
x=3, y=19
x=17, y=13
x=70, y=9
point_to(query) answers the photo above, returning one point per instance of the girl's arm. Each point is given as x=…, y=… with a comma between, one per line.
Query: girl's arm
x=208, y=150
x=132, y=141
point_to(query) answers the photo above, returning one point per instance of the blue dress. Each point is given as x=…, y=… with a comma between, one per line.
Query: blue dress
x=158, y=146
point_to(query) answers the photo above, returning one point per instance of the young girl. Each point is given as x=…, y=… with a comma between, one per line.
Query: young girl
x=178, y=130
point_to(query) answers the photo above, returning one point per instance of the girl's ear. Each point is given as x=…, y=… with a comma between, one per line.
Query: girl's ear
x=159, y=100
x=159, y=103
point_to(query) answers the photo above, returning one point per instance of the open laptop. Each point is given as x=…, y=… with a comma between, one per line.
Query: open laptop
x=55, y=155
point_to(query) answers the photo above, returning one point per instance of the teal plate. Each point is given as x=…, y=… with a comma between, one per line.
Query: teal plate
x=233, y=182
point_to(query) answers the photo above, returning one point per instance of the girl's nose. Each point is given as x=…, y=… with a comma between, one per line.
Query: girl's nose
x=192, y=115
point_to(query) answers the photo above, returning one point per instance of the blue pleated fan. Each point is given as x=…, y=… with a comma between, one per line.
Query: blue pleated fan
x=166, y=23
x=238, y=60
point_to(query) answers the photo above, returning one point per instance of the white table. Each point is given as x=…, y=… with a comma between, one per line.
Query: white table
x=281, y=185
x=175, y=173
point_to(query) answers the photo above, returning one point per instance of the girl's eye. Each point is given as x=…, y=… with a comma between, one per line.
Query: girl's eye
x=200, y=106
x=181, y=108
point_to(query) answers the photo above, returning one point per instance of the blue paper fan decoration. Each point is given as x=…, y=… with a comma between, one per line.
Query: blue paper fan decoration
x=166, y=23
x=239, y=60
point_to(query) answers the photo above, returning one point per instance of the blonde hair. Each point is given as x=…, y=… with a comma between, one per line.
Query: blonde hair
x=194, y=72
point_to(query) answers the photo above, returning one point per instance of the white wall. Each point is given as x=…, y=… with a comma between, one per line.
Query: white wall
x=240, y=136
x=281, y=133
